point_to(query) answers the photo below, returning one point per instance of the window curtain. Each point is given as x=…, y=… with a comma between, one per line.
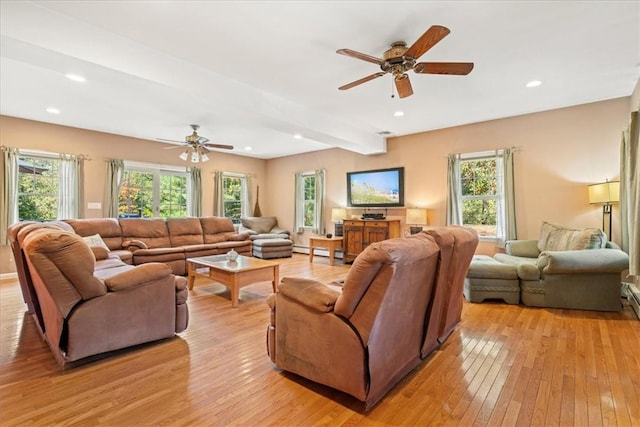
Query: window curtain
x=454, y=188
x=194, y=204
x=246, y=197
x=115, y=172
x=318, y=226
x=9, y=190
x=630, y=194
x=218, y=194
x=69, y=190
x=298, y=215
x=506, y=211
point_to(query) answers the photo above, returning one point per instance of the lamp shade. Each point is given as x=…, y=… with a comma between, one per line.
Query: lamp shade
x=604, y=193
x=417, y=216
x=338, y=214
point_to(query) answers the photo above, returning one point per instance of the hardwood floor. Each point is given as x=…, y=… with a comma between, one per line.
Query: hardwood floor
x=504, y=365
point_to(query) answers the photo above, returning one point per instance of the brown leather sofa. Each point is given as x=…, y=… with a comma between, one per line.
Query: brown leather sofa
x=171, y=241
x=400, y=300
x=91, y=302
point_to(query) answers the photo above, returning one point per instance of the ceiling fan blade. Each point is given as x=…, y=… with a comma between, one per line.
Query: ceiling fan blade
x=225, y=147
x=358, y=55
x=362, y=80
x=457, y=68
x=176, y=146
x=403, y=85
x=170, y=140
x=429, y=39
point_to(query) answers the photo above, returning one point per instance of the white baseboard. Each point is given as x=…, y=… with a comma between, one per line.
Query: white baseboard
x=8, y=276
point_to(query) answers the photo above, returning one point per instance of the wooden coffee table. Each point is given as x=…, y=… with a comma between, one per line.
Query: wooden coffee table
x=233, y=274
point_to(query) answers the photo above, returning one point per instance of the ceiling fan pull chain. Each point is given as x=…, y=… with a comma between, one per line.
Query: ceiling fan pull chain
x=392, y=87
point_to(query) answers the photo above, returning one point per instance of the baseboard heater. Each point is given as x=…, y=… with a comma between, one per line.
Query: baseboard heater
x=317, y=251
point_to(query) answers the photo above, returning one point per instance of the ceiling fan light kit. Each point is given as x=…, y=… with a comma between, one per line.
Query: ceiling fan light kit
x=195, y=146
x=399, y=59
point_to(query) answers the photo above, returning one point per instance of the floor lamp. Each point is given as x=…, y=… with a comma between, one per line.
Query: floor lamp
x=605, y=194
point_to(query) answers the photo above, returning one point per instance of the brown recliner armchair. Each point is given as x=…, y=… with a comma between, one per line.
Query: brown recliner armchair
x=364, y=338
x=87, y=311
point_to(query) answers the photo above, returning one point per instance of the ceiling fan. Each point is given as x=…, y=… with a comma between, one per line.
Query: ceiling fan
x=399, y=59
x=196, y=146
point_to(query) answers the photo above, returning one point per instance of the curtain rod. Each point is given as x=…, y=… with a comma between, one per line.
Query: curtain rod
x=47, y=153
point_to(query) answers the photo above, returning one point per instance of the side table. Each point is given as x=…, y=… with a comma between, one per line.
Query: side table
x=330, y=243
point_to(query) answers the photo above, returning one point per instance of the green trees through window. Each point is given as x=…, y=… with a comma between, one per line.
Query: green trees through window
x=309, y=200
x=38, y=188
x=153, y=193
x=232, y=196
x=479, y=194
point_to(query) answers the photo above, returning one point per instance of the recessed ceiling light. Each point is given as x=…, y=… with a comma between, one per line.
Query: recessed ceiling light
x=399, y=113
x=76, y=78
x=297, y=136
x=52, y=110
x=247, y=148
x=534, y=83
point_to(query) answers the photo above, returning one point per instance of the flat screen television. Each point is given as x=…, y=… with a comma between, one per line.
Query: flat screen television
x=380, y=188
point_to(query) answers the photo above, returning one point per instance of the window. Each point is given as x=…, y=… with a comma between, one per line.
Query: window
x=38, y=186
x=152, y=192
x=310, y=201
x=479, y=194
x=233, y=196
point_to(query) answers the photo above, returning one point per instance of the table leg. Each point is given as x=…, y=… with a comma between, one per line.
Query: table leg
x=310, y=251
x=276, y=277
x=235, y=291
x=191, y=275
x=332, y=254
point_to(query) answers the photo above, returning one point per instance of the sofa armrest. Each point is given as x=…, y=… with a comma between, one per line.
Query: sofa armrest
x=243, y=229
x=134, y=245
x=138, y=276
x=278, y=230
x=523, y=248
x=238, y=237
x=310, y=293
x=583, y=261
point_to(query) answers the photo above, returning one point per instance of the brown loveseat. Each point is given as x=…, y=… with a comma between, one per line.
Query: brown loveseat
x=90, y=302
x=400, y=300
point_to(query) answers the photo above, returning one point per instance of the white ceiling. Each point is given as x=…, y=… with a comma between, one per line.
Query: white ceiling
x=254, y=73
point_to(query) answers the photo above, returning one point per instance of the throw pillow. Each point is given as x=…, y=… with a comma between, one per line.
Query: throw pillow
x=96, y=240
x=558, y=238
x=260, y=224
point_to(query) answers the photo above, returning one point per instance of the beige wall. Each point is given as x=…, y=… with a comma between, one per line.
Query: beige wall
x=560, y=153
x=31, y=135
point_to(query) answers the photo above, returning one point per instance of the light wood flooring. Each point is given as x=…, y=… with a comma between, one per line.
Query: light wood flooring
x=504, y=365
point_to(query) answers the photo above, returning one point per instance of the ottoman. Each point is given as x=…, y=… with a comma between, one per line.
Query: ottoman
x=491, y=279
x=272, y=248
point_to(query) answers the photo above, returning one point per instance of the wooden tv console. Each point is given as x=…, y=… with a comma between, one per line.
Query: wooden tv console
x=358, y=234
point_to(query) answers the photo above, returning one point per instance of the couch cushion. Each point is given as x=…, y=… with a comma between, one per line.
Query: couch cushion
x=558, y=238
x=262, y=224
x=185, y=231
x=152, y=231
x=213, y=226
x=108, y=229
